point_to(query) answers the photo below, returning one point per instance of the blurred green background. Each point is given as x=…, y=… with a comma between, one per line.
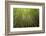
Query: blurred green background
x=25, y=17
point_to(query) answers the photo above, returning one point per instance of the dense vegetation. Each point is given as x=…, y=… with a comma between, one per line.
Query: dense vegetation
x=25, y=17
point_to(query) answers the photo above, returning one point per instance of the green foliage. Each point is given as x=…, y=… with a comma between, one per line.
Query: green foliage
x=25, y=17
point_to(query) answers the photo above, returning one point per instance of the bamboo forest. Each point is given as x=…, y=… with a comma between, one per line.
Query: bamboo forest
x=25, y=17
